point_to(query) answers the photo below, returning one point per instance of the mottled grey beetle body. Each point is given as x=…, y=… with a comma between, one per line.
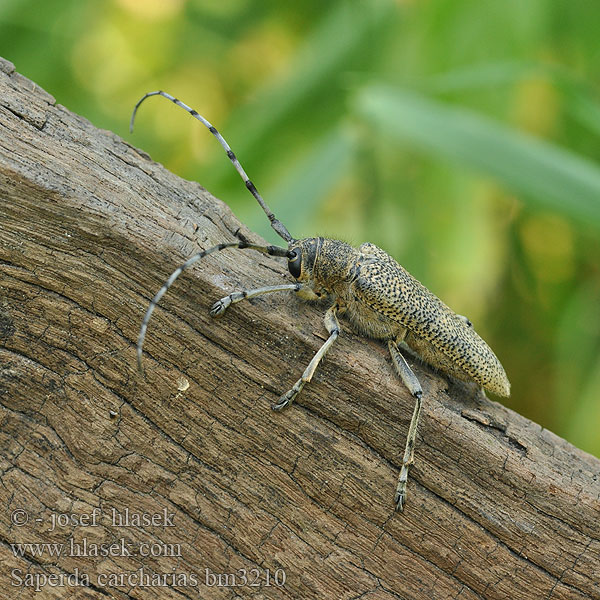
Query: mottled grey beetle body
x=379, y=298
x=384, y=301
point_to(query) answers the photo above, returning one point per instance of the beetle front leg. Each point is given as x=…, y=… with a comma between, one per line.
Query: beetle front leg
x=333, y=327
x=414, y=387
x=220, y=306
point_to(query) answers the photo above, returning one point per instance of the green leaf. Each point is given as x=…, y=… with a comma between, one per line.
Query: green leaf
x=545, y=174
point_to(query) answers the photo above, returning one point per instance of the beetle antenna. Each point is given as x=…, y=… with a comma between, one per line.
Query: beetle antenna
x=276, y=224
x=271, y=250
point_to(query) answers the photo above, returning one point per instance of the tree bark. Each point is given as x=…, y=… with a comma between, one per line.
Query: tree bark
x=301, y=501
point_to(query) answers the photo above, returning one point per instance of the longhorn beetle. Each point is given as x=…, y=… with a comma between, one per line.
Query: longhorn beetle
x=379, y=298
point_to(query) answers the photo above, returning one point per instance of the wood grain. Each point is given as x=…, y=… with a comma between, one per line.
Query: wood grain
x=90, y=228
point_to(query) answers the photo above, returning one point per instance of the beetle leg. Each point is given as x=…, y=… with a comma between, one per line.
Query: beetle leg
x=414, y=387
x=333, y=327
x=220, y=306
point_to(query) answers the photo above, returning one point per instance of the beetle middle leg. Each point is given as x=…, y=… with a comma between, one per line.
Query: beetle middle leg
x=414, y=387
x=333, y=327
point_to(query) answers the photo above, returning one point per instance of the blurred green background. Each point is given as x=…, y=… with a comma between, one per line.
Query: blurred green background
x=461, y=136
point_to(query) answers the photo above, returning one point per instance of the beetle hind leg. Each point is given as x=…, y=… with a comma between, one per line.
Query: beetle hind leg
x=414, y=387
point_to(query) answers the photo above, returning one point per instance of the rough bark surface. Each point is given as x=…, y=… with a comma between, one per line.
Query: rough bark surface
x=90, y=228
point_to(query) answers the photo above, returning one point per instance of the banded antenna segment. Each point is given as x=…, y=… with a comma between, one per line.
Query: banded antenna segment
x=276, y=224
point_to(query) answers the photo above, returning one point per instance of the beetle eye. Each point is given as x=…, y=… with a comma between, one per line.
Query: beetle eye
x=295, y=263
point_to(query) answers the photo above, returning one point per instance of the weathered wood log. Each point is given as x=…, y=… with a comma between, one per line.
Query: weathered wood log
x=301, y=500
